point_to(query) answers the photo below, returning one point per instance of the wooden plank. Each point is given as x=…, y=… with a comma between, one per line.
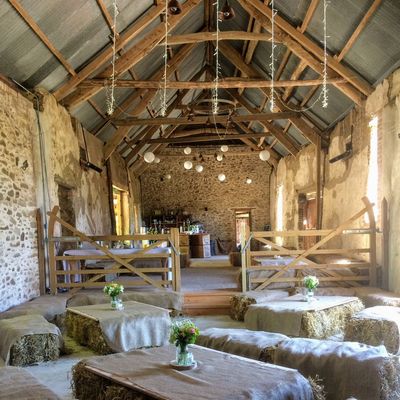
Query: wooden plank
x=385, y=243
x=176, y=260
x=360, y=83
x=343, y=278
x=41, y=252
x=52, y=261
x=287, y=252
x=316, y=266
x=372, y=240
x=125, y=283
x=106, y=54
x=135, y=54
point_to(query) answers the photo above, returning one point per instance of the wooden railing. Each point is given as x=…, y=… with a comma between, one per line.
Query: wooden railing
x=300, y=263
x=118, y=264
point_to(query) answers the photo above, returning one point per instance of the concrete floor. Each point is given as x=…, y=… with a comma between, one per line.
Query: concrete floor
x=57, y=374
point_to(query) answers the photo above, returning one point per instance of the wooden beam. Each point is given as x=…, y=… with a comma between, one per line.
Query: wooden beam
x=207, y=138
x=309, y=14
x=135, y=54
x=205, y=120
x=211, y=36
x=106, y=54
x=357, y=81
x=225, y=83
x=234, y=57
x=367, y=16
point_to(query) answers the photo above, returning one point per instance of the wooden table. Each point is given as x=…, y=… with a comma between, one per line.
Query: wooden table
x=219, y=376
x=293, y=316
x=105, y=330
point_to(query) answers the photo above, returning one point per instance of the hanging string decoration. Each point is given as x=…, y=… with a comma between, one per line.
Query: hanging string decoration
x=325, y=69
x=111, y=90
x=163, y=109
x=272, y=63
x=215, y=106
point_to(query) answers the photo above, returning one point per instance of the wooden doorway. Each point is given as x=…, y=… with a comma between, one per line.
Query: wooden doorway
x=242, y=225
x=308, y=217
x=121, y=211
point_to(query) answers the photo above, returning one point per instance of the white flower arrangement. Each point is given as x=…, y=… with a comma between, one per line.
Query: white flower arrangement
x=310, y=282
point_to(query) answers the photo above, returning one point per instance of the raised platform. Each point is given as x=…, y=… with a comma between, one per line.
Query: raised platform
x=207, y=303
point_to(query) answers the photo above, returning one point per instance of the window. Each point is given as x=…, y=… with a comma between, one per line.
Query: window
x=373, y=167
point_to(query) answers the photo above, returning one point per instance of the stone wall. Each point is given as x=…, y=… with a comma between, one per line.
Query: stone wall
x=205, y=198
x=345, y=182
x=18, y=247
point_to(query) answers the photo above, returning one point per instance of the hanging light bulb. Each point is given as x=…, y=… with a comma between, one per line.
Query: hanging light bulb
x=168, y=176
x=224, y=148
x=187, y=150
x=149, y=157
x=157, y=160
x=264, y=155
x=248, y=181
x=174, y=8
x=188, y=165
x=227, y=12
x=219, y=157
x=199, y=168
x=221, y=177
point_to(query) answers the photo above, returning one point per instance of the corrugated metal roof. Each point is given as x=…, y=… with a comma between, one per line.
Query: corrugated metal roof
x=79, y=31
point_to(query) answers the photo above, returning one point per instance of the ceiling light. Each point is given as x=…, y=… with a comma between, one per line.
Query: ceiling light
x=168, y=176
x=221, y=177
x=227, y=12
x=188, y=165
x=219, y=157
x=157, y=160
x=174, y=8
x=149, y=157
x=264, y=155
x=248, y=181
x=199, y=168
x=187, y=150
x=224, y=148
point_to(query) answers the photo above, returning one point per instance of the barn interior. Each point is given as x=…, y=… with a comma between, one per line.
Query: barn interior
x=230, y=164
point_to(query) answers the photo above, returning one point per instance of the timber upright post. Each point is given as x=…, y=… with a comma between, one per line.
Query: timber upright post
x=245, y=256
x=176, y=261
x=52, y=256
x=372, y=241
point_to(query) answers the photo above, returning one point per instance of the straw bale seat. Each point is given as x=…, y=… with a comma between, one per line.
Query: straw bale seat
x=29, y=339
x=241, y=302
x=19, y=384
x=241, y=342
x=346, y=369
x=292, y=316
x=375, y=326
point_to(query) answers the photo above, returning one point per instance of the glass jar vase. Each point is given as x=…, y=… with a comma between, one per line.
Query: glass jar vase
x=183, y=356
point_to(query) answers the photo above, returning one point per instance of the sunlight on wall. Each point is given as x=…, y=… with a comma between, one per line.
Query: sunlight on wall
x=373, y=167
x=279, y=214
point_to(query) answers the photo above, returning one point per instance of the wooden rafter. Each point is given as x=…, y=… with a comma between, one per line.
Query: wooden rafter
x=353, y=78
x=106, y=54
x=225, y=83
x=234, y=57
x=133, y=55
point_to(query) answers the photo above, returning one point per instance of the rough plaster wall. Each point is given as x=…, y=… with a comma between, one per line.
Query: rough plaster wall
x=90, y=190
x=193, y=192
x=118, y=172
x=135, y=203
x=18, y=247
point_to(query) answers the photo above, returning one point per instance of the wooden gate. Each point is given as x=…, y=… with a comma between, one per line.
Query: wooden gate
x=111, y=261
x=299, y=262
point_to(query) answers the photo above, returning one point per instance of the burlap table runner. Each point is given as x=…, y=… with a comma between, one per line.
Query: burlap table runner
x=285, y=315
x=13, y=329
x=138, y=325
x=18, y=384
x=219, y=376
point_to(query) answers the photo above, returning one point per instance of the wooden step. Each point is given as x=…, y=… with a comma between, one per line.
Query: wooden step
x=207, y=303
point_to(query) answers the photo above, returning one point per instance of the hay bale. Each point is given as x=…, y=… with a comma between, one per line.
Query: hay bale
x=87, y=332
x=87, y=385
x=33, y=349
x=240, y=303
x=375, y=326
x=317, y=388
x=115, y=392
x=322, y=324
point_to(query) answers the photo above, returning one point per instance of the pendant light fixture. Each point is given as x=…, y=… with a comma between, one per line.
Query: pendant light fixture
x=149, y=157
x=227, y=12
x=224, y=148
x=221, y=177
x=264, y=155
x=188, y=165
x=187, y=150
x=174, y=8
x=249, y=181
x=219, y=157
x=157, y=160
x=199, y=168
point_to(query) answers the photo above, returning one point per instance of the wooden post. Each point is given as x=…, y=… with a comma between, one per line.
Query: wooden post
x=245, y=255
x=385, y=244
x=318, y=181
x=176, y=268
x=52, y=259
x=41, y=257
x=372, y=241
